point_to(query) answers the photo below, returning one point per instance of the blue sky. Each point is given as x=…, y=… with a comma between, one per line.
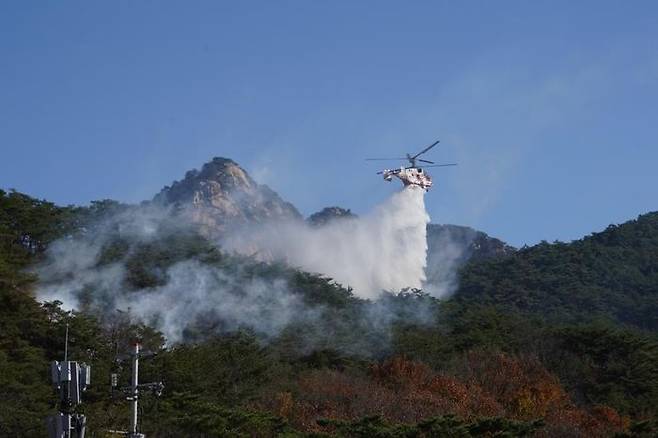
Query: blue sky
x=550, y=108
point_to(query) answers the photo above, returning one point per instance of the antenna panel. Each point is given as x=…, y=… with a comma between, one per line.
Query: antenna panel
x=85, y=376
x=74, y=387
x=54, y=374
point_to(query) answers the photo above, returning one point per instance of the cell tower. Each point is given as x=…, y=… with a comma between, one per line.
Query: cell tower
x=70, y=379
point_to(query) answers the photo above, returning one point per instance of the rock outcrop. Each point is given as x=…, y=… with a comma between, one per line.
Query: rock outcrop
x=330, y=214
x=221, y=195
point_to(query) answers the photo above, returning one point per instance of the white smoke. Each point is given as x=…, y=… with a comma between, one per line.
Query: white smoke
x=385, y=250
x=382, y=251
x=448, y=254
x=198, y=293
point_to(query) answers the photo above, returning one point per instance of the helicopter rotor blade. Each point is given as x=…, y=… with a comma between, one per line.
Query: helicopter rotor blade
x=442, y=165
x=426, y=161
x=426, y=149
x=385, y=159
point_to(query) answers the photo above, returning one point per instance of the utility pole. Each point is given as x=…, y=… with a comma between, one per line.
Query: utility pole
x=135, y=393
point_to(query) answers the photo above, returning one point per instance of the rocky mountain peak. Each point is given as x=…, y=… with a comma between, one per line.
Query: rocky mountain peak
x=222, y=194
x=225, y=172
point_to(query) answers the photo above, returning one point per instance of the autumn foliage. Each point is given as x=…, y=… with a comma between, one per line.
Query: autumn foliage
x=408, y=392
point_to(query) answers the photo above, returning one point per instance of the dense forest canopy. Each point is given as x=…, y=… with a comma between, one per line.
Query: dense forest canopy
x=557, y=339
x=611, y=275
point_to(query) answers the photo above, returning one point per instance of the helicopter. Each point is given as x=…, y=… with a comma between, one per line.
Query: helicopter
x=412, y=175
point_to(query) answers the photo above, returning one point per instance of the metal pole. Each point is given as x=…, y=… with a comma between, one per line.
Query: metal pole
x=67, y=431
x=67, y=411
x=66, y=343
x=135, y=391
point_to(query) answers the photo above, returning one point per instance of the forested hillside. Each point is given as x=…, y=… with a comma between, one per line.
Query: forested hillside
x=553, y=340
x=609, y=275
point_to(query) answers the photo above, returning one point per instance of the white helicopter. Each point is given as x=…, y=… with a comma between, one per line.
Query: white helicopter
x=412, y=175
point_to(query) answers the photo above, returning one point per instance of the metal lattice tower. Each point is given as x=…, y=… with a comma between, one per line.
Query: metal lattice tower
x=70, y=379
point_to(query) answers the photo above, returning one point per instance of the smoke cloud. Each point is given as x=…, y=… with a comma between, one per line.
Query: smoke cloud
x=449, y=253
x=188, y=294
x=385, y=250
